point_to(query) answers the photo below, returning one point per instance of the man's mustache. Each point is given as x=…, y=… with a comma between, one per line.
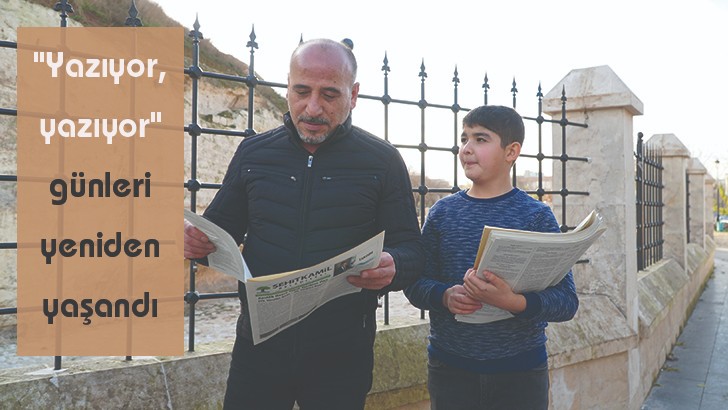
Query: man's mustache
x=313, y=120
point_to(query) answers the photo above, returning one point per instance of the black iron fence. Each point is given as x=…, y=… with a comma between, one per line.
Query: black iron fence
x=421, y=190
x=648, y=177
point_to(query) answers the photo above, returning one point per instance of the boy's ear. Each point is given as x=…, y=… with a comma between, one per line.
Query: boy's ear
x=513, y=150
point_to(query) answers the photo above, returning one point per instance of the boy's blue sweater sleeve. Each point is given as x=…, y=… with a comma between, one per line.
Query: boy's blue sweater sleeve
x=557, y=303
x=426, y=293
x=533, y=305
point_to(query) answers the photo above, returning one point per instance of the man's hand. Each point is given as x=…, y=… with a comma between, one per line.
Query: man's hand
x=458, y=302
x=197, y=244
x=376, y=278
x=494, y=291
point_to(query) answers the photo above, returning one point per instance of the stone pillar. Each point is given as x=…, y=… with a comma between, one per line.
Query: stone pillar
x=696, y=212
x=709, y=203
x=598, y=98
x=675, y=159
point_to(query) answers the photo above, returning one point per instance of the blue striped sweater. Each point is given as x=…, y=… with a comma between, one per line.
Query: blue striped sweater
x=451, y=235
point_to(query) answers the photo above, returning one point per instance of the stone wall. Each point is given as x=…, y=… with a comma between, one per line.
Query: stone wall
x=197, y=380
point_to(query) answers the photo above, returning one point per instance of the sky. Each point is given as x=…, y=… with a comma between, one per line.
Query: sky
x=671, y=54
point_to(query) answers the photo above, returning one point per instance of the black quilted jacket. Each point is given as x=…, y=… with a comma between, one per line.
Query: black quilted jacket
x=294, y=209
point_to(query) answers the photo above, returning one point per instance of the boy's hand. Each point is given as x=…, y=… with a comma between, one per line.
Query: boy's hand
x=376, y=278
x=457, y=301
x=493, y=291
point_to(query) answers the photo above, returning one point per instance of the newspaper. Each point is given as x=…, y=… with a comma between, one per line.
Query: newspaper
x=278, y=301
x=530, y=261
x=227, y=257
x=275, y=302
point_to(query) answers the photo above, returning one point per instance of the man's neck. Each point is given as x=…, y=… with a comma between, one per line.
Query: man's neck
x=311, y=147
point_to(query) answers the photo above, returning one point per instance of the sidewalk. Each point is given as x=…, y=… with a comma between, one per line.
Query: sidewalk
x=695, y=374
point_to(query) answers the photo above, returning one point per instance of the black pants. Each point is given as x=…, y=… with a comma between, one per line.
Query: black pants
x=456, y=389
x=320, y=372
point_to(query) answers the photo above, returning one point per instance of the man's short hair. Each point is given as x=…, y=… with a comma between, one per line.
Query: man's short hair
x=502, y=120
x=345, y=45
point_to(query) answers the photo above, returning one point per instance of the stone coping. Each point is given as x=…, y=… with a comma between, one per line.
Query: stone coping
x=598, y=330
x=658, y=285
x=197, y=379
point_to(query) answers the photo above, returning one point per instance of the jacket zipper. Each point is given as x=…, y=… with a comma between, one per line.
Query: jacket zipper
x=306, y=198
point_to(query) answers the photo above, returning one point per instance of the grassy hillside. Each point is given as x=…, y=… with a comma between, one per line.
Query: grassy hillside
x=113, y=13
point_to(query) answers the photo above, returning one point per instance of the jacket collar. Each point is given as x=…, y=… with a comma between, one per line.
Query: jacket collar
x=339, y=132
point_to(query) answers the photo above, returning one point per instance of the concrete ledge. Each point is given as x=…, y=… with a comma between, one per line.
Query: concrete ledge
x=665, y=287
x=657, y=287
x=400, y=355
x=397, y=399
x=697, y=256
x=400, y=364
x=195, y=380
x=598, y=330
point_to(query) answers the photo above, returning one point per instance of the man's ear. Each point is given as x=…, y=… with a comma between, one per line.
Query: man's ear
x=354, y=94
x=513, y=150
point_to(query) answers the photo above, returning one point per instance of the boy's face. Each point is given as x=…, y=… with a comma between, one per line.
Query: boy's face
x=482, y=157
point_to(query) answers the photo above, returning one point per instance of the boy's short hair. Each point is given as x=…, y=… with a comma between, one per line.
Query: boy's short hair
x=502, y=120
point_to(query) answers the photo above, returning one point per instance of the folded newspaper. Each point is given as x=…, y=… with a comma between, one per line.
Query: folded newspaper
x=530, y=261
x=275, y=302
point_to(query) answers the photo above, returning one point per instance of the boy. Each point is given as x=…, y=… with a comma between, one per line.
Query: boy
x=502, y=364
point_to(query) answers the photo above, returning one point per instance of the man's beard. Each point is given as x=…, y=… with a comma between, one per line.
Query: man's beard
x=311, y=139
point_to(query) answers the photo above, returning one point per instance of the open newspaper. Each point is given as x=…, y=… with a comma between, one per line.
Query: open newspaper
x=530, y=261
x=227, y=257
x=275, y=302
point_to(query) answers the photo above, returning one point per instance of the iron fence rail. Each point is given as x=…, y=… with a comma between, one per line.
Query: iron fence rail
x=649, y=205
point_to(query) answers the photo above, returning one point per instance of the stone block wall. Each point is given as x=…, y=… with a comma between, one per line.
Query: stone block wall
x=197, y=380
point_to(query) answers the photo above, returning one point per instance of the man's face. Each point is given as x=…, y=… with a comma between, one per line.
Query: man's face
x=321, y=92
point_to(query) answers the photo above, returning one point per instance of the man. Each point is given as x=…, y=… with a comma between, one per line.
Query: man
x=298, y=195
